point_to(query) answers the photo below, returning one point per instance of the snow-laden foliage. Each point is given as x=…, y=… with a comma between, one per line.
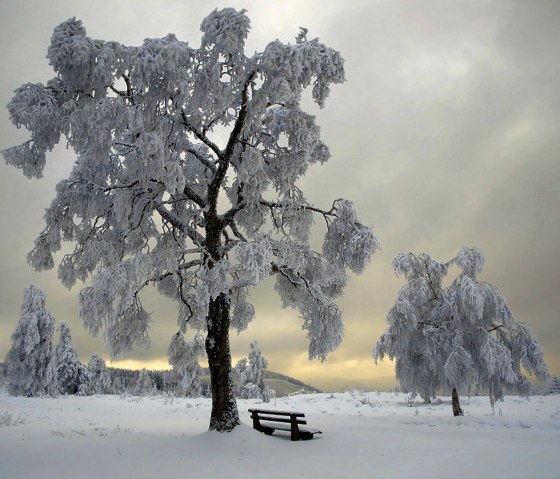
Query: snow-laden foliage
x=456, y=337
x=251, y=375
x=147, y=126
x=99, y=380
x=31, y=361
x=183, y=357
x=144, y=385
x=71, y=372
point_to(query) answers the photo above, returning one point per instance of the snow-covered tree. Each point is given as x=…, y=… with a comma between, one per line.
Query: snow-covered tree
x=183, y=357
x=553, y=387
x=459, y=336
x=99, y=381
x=70, y=370
x=31, y=362
x=144, y=385
x=251, y=375
x=164, y=133
x=118, y=385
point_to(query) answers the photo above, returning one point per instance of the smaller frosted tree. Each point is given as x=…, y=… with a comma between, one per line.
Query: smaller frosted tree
x=70, y=370
x=251, y=376
x=99, y=381
x=30, y=363
x=119, y=386
x=144, y=385
x=183, y=357
x=459, y=336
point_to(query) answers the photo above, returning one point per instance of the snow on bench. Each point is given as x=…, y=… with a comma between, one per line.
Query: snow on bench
x=282, y=421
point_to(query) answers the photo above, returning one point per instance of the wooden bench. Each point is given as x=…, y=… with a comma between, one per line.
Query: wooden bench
x=282, y=421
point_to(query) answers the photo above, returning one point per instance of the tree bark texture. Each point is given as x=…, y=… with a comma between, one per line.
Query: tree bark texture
x=457, y=411
x=224, y=416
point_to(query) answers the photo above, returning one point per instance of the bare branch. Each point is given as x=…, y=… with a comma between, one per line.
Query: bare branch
x=495, y=328
x=326, y=214
x=118, y=92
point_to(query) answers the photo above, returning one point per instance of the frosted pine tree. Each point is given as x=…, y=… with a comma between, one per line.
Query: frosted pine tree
x=163, y=133
x=456, y=337
x=31, y=362
x=251, y=376
x=70, y=370
x=144, y=385
x=99, y=381
x=118, y=385
x=183, y=357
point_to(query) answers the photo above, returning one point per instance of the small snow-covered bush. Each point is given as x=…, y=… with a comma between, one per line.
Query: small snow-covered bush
x=8, y=419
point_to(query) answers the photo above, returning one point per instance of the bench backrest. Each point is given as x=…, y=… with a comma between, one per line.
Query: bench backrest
x=278, y=416
x=279, y=413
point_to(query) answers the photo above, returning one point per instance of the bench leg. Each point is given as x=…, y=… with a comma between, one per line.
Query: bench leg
x=256, y=423
x=294, y=429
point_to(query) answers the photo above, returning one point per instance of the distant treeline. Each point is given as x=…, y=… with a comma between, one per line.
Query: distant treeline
x=165, y=380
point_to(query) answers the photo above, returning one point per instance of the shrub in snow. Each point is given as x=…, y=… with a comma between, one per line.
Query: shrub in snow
x=251, y=376
x=456, y=337
x=31, y=362
x=147, y=126
x=183, y=357
x=70, y=370
x=144, y=385
x=99, y=381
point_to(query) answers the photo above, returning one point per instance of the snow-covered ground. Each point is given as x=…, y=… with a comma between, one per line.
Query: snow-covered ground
x=369, y=435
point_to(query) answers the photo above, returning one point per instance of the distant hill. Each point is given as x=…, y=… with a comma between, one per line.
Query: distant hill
x=286, y=385
x=281, y=384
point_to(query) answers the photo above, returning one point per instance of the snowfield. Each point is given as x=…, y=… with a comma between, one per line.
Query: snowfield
x=365, y=435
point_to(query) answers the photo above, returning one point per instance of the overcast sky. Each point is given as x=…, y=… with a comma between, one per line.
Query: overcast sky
x=446, y=133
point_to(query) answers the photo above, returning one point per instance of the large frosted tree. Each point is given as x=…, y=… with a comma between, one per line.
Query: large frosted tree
x=458, y=336
x=187, y=163
x=31, y=362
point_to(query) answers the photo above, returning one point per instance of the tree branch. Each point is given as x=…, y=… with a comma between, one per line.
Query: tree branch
x=225, y=157
x=495, y=328
x=205, y=161
x=210, y=144
x=236, y=231
x=170, y=217
x=240, y=122
x=324, y=213
x=191, y=195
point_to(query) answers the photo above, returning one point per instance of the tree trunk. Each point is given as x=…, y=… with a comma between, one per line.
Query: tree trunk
x=457, y=411
x=224, y=416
